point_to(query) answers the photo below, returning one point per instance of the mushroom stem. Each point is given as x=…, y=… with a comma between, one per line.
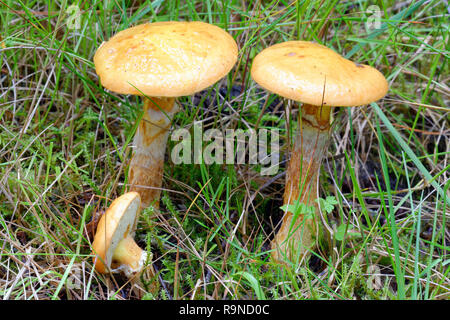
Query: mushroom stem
x=130, y=258
x=298, y=235
x=130, y=255
x=146, y=167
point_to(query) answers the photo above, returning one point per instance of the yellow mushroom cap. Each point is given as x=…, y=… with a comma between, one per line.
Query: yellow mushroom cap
x=115, y=225
x=165, y=59
x=301, y=71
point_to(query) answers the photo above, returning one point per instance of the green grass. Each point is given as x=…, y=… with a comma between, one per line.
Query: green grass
x=65, y=147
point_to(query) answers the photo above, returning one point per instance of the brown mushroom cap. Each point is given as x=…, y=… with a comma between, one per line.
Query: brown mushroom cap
x=115, y=225
x=165, y=59
x=301, y=70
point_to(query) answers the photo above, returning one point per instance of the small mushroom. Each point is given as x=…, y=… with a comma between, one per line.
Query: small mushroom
x=161, y=61
x=114, y=247
x=319, y=78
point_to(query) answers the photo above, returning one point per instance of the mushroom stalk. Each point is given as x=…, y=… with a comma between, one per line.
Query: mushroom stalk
x=298, y=235
x=129, y=256
x=146, y=167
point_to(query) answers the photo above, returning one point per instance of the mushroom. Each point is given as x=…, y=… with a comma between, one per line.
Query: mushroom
x=114, y=247
x=161, y=61
x=320, y=79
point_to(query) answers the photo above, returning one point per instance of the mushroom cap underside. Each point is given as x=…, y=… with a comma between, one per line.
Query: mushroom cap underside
x=165, y=59
x=314, y=74
x=115, y=225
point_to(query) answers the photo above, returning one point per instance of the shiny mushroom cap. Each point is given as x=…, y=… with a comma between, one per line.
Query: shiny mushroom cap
x=165, y=59
x=115, y=225
x=301, y=71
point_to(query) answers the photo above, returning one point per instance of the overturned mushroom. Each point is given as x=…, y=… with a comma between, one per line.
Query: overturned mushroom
x=114, y=247
x=321, y=79
x=161, y=61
